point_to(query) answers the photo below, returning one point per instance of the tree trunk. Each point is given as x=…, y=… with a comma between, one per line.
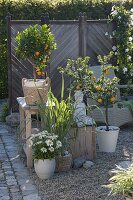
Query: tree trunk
x=106, y=116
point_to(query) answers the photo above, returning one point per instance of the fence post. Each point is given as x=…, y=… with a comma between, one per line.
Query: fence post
x=82, y=35
x=45, y=20
x=9, y=60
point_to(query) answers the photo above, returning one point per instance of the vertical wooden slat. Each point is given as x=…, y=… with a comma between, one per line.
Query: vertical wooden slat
x=82, y=35
x=9, y=60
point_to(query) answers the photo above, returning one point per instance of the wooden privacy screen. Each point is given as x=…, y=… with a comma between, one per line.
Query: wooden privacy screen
x=74, y=38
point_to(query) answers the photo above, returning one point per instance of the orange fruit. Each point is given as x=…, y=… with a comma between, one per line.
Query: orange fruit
x=46, y=47
x=99, y=100
x=44, y=60
x=112, y=99
x=106, y=71
x=37, y=53
x=98, y=88
x=39, y=73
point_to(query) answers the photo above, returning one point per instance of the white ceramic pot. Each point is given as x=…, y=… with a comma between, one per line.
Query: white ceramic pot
x=107, y=140
x=44, y=168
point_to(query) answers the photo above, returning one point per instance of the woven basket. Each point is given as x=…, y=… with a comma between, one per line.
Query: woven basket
x=63, y=163
x=35, y=91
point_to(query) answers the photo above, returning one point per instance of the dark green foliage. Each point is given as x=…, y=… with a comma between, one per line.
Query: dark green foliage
x=33, y=9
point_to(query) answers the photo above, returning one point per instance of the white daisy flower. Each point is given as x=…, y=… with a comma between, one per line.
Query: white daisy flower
x=129, y=57
x=49, y=142
x=114, y=48
x=51, y=149
x=43, y=149
x=106, y=33
x=126, y=50
x=124, y=70
x=58, y=144
x=130, y=39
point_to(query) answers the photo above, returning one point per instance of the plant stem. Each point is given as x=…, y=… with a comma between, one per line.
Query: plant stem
x=34, y=73
x=106, y=115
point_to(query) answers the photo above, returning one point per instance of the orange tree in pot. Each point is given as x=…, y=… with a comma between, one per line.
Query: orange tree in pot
x=35, y=43
x=104, y=92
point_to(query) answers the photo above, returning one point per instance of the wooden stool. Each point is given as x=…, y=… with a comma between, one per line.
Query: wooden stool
x=26, y=126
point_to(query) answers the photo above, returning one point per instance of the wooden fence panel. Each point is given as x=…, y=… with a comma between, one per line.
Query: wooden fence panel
x=97, y=42
x=73, y=38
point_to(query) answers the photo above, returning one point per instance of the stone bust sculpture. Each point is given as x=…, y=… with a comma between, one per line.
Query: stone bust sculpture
x=80, y=116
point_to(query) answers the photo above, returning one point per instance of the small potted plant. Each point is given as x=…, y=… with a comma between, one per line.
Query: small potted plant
x=36, y=43
x=46, y=146
x=122, y=182
x=105, y=90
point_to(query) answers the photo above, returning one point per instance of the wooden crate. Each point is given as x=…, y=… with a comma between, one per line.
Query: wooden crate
x=83, y=142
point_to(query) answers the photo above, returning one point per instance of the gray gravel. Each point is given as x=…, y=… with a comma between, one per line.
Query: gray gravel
x=87, y=184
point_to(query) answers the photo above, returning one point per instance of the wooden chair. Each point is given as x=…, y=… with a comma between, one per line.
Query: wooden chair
x=117, y=116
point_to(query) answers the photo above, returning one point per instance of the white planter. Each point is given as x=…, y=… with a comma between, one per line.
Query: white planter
x=107, y=140
x=44, y=168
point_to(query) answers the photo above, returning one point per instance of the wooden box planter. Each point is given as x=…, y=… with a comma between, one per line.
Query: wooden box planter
x=83, y=142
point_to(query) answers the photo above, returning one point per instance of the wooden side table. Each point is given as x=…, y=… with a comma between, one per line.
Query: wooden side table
x=26, y=126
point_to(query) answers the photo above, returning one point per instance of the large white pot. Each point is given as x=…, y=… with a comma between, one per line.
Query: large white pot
x=44, y=168
x=107, y=140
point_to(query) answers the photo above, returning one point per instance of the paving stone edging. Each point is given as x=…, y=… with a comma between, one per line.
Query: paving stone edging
x=15, y=181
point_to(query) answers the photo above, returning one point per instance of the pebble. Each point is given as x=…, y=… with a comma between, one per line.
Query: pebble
x=88, y=164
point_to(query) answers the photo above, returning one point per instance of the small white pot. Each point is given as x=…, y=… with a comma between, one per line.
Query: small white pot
x=107, y=140
x=44, y=168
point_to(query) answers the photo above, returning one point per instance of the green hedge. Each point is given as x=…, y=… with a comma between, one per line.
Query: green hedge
x=33, y=9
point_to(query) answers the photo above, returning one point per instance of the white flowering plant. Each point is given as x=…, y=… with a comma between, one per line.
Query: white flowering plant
x=45, y=145
x=123, y=39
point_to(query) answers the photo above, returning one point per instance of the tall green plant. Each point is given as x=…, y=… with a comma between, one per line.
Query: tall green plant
x=57, y=116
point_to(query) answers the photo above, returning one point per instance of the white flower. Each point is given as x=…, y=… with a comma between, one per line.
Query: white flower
x=39, y=142
x=55, y=137
x=113, y=33
x=58, y=144
x=124, y=70
x=130, y=39
x=115, y=53
x=51, y=149
x=126, y=50
x=49, y=142
x=113, y=8
x=110, y=37
x=119, y=17
x=106, y=33
x=43, y=149
x=114, y=48
x=114, y=12
x=129, y=57
x=131, y=10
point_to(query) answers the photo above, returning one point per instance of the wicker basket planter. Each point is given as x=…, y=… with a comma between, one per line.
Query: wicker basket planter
x=63, y=163
x=35, y=91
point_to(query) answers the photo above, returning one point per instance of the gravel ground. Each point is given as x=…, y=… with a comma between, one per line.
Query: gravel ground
x=87, y=184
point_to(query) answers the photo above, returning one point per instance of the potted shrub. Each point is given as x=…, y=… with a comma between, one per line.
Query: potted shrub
x=46, y=147
x=36, y=43
x=122, y=182
x=105, y=90
x=57, y=117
